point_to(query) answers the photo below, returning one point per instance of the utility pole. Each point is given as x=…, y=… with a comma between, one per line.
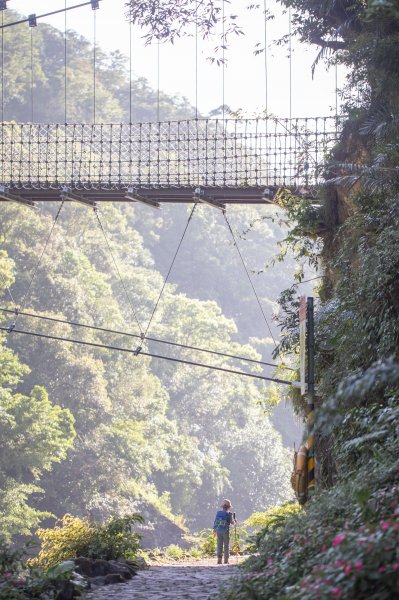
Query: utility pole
x=310, y=396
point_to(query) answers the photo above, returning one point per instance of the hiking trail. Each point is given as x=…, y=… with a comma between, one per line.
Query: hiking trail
x=196, y=580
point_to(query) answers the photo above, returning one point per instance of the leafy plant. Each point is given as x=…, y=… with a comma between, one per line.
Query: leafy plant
x=207, y=543
x=174, y=551
x=75, y=537
x=20, y=579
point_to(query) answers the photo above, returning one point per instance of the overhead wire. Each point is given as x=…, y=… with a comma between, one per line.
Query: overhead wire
x=249, y=277
x=170, y=270
x=26, y=295
x=134, y=335
x=97, y=214
x=150, y=354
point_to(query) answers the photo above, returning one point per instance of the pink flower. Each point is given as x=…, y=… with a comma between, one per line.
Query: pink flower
x=338, y=539
x=382, y=569
x=269, y=561
x=358, y=565
x=348, y=569
x=384, y=525
x=337, y=593
x=395, y=566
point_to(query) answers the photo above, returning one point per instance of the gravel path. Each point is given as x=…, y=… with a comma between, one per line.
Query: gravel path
x=199, y=580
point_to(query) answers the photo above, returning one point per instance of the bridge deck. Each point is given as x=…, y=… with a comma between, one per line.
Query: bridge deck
x=229, y=161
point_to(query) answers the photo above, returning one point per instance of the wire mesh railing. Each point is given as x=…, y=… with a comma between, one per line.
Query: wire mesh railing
x=228, y=153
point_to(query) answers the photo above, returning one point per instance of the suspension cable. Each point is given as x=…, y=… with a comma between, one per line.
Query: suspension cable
x=196, y=63
x=55, y=12
x=7, y=287
x=65, y=66
x=96, y=212
x=134, y=335
x=223, y=59
x=249, y=278
x=135, y=353
x=31, y=76
x=26, y=295
x=2, y=72
x=170, y=269
x=94, y=63
x=290, y=60
x=265, y=62
x=158, y=79
x=130, y=71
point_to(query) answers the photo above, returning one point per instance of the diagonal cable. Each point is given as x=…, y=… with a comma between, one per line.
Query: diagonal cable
x=170, y=270
x=26, y=295
x=249, y=278
x=6, y=287
x=96, y=212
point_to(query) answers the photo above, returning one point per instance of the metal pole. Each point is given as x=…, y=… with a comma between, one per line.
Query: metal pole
x=310, y=398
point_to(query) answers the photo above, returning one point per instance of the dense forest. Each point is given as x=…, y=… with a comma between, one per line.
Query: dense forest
x=96, y=432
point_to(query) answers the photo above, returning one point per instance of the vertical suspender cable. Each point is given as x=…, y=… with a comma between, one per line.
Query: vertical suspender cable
x=31, y=77
x=2, y=66
x=290, y=61
x=130, y=72
x=65, y=64
x=266, y=65
x=196, y=67
x=158, y=79
x=94, y=63
x=223, y=59
x=266, y=86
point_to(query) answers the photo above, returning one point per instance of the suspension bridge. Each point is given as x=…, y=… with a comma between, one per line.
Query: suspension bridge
x=235, y=161
x=196, y=160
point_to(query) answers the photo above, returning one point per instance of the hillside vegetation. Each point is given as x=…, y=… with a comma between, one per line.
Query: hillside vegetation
x=95, y=432
x=344, y=544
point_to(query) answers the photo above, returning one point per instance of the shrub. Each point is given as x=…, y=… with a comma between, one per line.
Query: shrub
x=273, y=517
x=80, y=537
x=174, y=551
x=207, y=542
x=20, y=580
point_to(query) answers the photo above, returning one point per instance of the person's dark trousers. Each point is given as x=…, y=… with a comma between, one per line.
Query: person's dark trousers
x=223, y=540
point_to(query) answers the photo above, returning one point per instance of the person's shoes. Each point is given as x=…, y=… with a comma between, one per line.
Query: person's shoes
x=219, y=561
x=226, y=562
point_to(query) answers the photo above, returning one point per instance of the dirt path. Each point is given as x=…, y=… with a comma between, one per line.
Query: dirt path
x=199, y=580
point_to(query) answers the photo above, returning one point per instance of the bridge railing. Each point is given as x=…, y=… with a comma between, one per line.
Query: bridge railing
x=207, y=152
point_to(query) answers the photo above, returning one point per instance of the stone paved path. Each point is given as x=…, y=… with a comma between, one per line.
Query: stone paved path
x=199, y=580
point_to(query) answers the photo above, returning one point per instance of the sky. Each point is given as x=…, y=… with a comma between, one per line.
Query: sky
x=177, y=71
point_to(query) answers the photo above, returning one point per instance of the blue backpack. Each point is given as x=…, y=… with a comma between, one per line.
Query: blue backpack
x=222, y=521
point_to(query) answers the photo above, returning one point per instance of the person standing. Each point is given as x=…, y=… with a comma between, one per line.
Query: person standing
x=221, y=527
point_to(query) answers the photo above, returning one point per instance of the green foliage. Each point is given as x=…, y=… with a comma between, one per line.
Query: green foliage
x=80, y=537
x=207, y=544
x=20, y=579
x=273, y=517
x=174, y=551
x=36, y=434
